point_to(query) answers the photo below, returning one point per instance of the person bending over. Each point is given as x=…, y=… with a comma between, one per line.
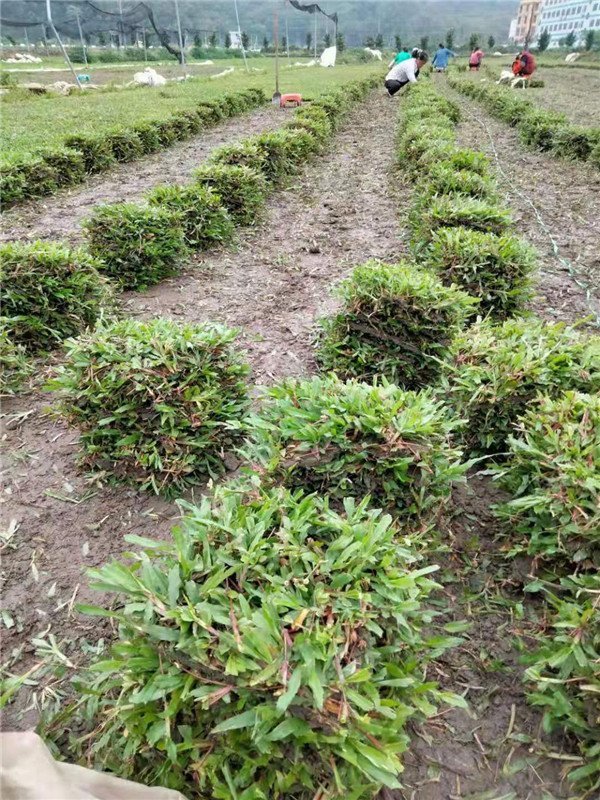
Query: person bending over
x=403, y=55
x=405, y=72
x=441, y=58
x=476, y=59
x=524, y=65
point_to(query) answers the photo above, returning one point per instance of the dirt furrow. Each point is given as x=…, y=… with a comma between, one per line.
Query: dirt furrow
x=339, y=213
x=556, y=205
x=59, y=217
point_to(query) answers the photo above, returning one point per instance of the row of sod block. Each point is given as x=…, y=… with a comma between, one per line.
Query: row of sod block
x=528, y=393
x=45, y=173
x=50, y=292
x=541, y=129
x=287, y=626
x=523, y=393
x=291, y=629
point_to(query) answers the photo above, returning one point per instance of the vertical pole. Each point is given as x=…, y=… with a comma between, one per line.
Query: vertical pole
x=145, y=44
x=287, y=32
x=26, y=38
x=237, y=16
x=45, y=39
x=181, y=48
x=315, y=47
x=81, y=39
x=277, y=95
x=120, y=23
x=61, y=45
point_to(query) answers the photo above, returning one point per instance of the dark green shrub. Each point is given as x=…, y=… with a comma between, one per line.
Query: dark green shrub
x=417, y=141
x=553, y=473
x=242, y=154
x=352, y=439
x=452, y=211
x=167, y=131
x=455, y=158
x=35, y=175
x=496, y=269
x=68, y=166
x=211, y=112
x=15, y=365
x=396, y=321
x=139, y=246
x=125, y=145
x=538, y=128
x=563, y=674
x=441, y=178
x=154, y=400
x=49, y=292
x=187, y=123
x=594, y=156
x=13, y=185
x=575, y=143
x=279, y=639
x=148, y=135
x=204, y=219
x=284, y=151
x=499, y=371
x=242, y=190
x=97, y=151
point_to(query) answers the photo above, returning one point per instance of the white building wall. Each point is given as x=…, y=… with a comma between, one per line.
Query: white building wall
x=560, y=17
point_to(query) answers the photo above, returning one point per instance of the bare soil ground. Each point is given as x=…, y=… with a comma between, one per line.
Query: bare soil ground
x=345, y=207
x=60, y=216
x=556, y=205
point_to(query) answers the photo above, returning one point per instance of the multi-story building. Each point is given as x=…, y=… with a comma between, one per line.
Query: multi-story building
x=525, y=26
x=560, y=17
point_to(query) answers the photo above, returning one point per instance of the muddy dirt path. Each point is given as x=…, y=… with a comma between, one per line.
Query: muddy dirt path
x=564, y=214
x=59, y=217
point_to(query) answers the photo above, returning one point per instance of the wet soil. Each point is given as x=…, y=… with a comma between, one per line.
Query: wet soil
x=60, y=216
x=556, y=206
x=345, y=207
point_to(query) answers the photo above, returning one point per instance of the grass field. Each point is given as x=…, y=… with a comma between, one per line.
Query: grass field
x=29, y=125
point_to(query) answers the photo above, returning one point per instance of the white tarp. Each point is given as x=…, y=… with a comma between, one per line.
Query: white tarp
x=375, y=53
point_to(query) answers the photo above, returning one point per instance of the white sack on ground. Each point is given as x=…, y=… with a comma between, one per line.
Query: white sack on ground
x=149, y=77
x=328, y=57
x=375, y=53
x=28, y=772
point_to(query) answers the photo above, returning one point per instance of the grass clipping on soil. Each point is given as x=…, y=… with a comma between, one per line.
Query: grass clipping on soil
x=274, y=641
x=154, y=400
x=553, y=473
x=563, y=673
x=396, y=321
x=498, y=372
x=352, y=439
x=49, y=292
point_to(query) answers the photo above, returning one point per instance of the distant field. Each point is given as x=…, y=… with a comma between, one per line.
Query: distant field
x=29, y=125
x=573, y=90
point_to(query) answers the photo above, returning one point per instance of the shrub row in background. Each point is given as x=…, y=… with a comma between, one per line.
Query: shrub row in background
x=142, y=244
x=538, y=128
x=458, y=228
x=44, y=173
x=284, y=642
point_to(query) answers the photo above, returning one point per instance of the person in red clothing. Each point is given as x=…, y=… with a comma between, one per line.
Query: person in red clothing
x=475, y=59
x=524, y=65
